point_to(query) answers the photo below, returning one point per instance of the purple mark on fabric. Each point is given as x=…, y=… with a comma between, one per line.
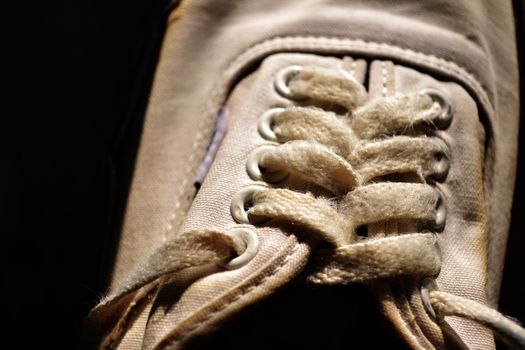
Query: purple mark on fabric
x=221, y=125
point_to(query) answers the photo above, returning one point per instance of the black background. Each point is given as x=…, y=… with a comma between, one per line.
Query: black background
x=68, y=152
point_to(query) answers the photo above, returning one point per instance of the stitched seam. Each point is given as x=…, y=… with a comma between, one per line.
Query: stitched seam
x=334, y=44
x=405, y=317
x=384, y=79
x=113, y=339
x=354, y=67
x=409, y=317
x=198, y=143
x=416, y=304
x=228, y=303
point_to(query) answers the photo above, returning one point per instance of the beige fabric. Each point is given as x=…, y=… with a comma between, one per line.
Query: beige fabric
x=468, y=45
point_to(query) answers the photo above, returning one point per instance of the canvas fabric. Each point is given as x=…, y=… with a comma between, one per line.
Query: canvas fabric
x=226, y=53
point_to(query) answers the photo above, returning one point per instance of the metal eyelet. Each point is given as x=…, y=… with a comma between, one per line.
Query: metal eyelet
x=428, y=285
x=253, y=167
x=441, y=213
x=441, y=166
x=250, y=240
x=265, y=123
x=445, y=118
x=283, y=78
x=241, y=202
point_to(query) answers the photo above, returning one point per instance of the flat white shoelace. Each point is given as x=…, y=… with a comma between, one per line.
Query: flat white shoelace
x=345, y=156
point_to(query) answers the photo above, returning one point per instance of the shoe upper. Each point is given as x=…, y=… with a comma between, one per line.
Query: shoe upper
x=389, y=52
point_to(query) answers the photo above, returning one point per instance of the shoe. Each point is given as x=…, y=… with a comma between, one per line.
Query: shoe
x=321, y=145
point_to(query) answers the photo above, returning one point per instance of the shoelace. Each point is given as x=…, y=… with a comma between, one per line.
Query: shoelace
x=351, y=166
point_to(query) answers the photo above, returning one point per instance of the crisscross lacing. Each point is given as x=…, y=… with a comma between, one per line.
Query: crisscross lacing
x=376, y=163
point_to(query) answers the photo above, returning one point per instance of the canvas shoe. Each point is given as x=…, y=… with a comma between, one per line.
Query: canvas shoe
x=307, y=153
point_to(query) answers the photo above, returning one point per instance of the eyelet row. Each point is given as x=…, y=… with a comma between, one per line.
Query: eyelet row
x=243, y=199
x=248, y=237
x=442, y=164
